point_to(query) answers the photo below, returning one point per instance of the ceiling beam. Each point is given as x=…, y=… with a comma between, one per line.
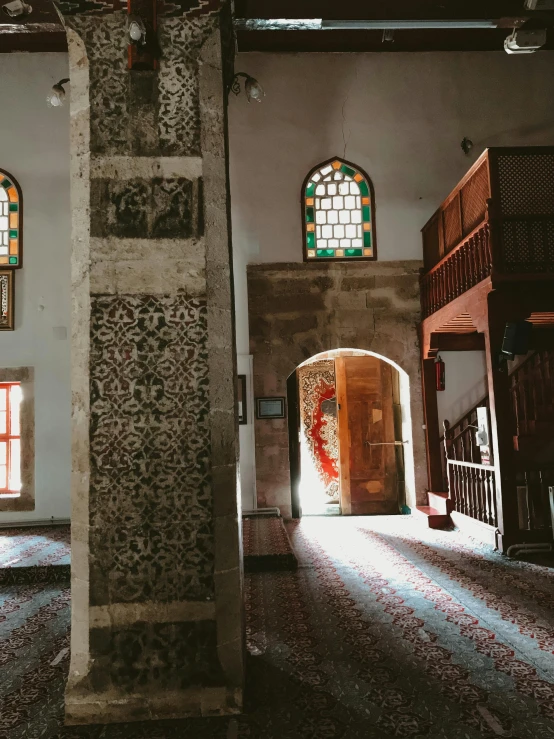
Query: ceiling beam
x=372, y=41
x=381, y=9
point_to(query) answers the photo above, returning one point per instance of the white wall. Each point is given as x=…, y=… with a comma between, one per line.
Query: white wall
x=401, y=117
x=247, y=463
x=34, y=148
x=466, y=384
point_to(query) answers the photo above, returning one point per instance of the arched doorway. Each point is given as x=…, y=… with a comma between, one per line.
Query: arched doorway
x=350, y=435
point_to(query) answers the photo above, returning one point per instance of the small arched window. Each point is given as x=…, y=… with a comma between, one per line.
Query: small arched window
x=338, y=213
x=10, y=221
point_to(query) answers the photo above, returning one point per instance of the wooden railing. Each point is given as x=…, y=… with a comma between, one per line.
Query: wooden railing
x=498, y=222
x=472, y=490
x=533, y=499
x=532, y=389
x=459, y=442
x=462, y=268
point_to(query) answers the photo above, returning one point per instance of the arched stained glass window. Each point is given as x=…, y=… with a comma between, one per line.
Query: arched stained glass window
x=10, y=221
x=339, y=213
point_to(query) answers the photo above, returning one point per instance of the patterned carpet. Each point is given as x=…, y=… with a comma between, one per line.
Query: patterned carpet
x=266, y=544
x=386, y=629
x=34, y=554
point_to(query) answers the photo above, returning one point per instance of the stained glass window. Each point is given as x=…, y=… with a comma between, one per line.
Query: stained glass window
x=338, y=213
x=10, y=222
x=10, y=438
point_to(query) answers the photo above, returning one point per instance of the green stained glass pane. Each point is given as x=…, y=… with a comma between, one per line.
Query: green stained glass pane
x=366, y=213
x=310, y=240
x=6, y=183
x=348, y=170
x=364, y=189
x=13, y=234
x=309, y=215
x=13, y=260
x=310, y=190
x=367, y=239
x=325, y=252
x=353, y=252
x=13, y=207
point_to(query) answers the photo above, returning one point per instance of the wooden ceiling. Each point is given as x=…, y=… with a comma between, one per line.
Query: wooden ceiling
x=255, y=35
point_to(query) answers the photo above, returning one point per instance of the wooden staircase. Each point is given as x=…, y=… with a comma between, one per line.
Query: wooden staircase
x=532, y=386
x=436, y=515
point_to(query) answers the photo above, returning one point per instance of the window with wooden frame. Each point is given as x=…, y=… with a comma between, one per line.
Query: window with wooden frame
x=338, y=213
x=10, y=438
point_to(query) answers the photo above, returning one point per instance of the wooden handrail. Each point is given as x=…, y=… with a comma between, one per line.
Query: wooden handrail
x=458, y=246
x=473, y=465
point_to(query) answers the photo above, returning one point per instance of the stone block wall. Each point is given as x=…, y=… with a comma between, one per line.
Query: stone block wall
x=156, y=573
x=299, y=310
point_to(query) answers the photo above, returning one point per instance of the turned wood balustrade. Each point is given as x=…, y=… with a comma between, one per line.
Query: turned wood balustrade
x=465, y=266
x=472, y=490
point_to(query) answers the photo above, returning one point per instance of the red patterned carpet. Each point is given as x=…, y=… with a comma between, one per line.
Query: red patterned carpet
x=385, y=630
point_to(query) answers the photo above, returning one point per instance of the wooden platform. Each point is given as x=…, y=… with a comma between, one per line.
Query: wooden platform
x=267, y=545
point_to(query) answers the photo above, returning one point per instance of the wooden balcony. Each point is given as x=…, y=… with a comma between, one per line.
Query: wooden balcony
x=498, y=222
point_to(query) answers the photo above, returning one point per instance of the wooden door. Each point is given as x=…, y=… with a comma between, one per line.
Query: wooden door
x=366, y=436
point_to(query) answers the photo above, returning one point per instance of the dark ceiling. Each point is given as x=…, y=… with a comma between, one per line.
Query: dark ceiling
x=504, y=13
x=43, y=31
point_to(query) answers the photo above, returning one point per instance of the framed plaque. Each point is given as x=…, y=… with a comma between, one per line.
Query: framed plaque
x=270, y=408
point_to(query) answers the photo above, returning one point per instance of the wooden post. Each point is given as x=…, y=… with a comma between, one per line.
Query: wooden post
x=501, y=416
x=432, y=437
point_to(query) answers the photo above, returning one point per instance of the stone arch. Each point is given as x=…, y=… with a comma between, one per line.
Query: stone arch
x=406, y=409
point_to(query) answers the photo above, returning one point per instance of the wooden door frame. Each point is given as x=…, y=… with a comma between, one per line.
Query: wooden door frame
x=293, y=424
x=344, y=448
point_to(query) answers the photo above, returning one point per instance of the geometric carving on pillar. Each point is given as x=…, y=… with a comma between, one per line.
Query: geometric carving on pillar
x=150, y=498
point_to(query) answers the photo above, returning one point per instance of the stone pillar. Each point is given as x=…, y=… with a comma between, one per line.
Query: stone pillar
x=156, y=574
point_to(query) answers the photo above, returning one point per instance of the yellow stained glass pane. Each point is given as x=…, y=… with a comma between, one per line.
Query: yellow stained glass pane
x=311, y=253
x=12, y=194
x=368, y=252
x=13, y=220
x=310, y=226
x=309, y=201
x=365, y=201
x=340, y=252
x=3, y=260
x=367, y=226
x=358, y=177
x=13, y=246
x=336, y=165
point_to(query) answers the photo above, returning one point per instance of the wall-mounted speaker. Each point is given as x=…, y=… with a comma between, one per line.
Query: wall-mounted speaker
x=517, y=338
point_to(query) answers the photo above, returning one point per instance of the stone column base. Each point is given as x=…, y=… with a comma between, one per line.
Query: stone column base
x=117, y=707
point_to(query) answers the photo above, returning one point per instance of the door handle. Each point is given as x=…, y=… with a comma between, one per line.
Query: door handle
x=385, y=443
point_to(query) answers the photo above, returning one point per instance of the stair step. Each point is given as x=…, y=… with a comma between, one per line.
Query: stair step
x=441, y=502
x=434, y=518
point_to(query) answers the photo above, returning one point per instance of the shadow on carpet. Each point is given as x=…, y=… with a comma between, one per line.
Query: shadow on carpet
x=267, y=546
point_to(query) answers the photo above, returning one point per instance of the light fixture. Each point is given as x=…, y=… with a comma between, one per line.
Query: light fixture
x=523, y=41
x=136, y=30
x=252, y=88
x=57, y=94
x=17, y=8
x=466, y=145
x=320, y=24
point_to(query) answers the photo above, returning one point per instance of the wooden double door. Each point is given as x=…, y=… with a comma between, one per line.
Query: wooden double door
x=369, y=448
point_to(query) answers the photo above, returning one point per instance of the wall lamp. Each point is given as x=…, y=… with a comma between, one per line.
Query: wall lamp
x=57, y=94
x=252, y=88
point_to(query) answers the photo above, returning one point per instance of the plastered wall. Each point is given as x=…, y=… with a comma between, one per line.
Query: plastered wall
x=34, y=148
